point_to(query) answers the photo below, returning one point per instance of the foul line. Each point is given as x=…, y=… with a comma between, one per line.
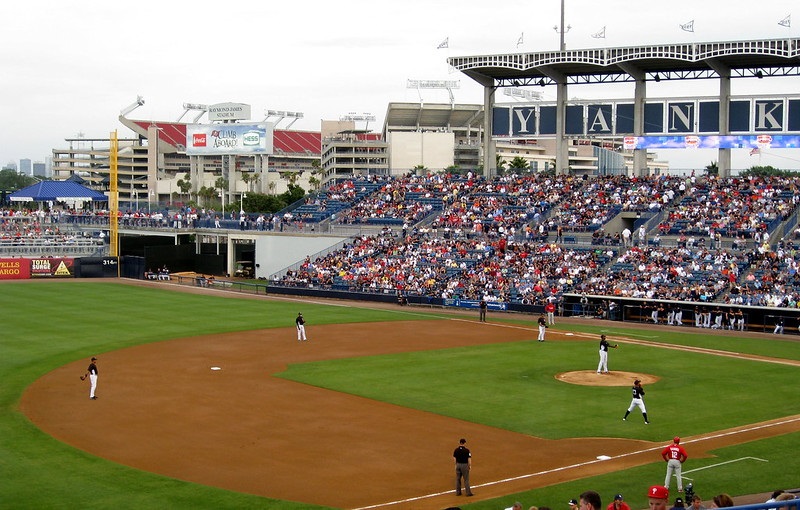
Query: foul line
x=588, y=463
x=722, y=464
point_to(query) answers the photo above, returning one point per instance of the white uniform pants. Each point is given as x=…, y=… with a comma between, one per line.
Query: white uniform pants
x=93, y=385
x=541, y=333
x=674, y=466
x=301, y=332
x=603, y=365
x=637, y=402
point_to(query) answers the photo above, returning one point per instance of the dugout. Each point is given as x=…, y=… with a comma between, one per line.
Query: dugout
x=759, y=319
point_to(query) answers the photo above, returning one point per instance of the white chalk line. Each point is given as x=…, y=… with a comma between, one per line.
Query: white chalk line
x=587, y=463
x=720, y=464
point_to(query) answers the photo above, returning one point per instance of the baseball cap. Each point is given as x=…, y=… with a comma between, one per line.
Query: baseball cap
x=677, y=439
x=658, y=492
x=573, y=502
x=618, y=496
x=94, y=359
x=678, y=501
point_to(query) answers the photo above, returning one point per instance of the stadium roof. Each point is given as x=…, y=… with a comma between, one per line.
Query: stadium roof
x=57, y=191
x=756, y=58
x=174, y=135
x=414, y=116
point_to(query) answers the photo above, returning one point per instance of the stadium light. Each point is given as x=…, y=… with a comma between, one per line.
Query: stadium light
x=524, y=94
x=356, y=117
x=448, y=85
x=136, y=104
x=187, y=107
x=281, y=114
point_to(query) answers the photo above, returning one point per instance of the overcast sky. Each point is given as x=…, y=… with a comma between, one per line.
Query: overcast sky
x=70, y=67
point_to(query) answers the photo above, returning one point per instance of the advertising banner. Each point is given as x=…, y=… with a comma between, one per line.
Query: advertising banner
x=15, y=269
x=754, y=142
x=229, y=138
x=469, y=303
x=52, y=268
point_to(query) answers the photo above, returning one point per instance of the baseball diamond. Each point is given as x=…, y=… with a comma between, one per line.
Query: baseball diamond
x=243, y=429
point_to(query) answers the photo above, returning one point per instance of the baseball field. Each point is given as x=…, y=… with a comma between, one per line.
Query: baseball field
x=207, y=400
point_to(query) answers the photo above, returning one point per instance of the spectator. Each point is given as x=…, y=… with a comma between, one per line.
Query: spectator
x=658, y=495
x=678, y=504
x=721, y=501
x=618, y=504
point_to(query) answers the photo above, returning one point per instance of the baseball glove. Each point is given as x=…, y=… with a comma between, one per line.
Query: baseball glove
x=83, y=378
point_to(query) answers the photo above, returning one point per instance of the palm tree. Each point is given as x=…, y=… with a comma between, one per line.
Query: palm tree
x=519, y=163
x=500, y=164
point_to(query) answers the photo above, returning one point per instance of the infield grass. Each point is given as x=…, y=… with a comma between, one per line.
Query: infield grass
x=48, y=324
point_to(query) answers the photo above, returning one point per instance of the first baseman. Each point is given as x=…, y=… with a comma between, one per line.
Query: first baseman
x=301, y=327
x=91, y=373
x=674, y=455
x=602, y=367
x=637, y=401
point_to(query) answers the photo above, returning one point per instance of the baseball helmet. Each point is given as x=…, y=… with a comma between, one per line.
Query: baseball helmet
x=676, y=439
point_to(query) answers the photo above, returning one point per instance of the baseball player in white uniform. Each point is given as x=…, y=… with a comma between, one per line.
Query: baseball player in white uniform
x=301, y=328
x=602, y=367
x=637, y=401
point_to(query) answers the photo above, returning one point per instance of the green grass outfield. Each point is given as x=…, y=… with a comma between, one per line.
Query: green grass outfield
x=48, y=324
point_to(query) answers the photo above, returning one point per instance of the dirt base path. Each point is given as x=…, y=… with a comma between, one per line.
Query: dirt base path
x=162, y=408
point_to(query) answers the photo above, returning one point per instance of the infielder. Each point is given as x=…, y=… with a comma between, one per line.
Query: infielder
x=542, y=327
x=602, y=367
x=301, y=328
x=91, y=373
x=637, y=401
x=674, y=455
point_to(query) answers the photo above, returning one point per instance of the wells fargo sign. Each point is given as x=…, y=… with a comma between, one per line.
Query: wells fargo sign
x=20, y=269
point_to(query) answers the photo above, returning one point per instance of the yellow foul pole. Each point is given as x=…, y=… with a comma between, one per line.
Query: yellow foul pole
x=113, y=199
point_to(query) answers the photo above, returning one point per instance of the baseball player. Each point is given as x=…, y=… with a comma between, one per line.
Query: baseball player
x=602, y=367
x=301, y=328
x=91, y=373
x=542, y=327
x=550, y=309
x=637, y=401
x=674, y=455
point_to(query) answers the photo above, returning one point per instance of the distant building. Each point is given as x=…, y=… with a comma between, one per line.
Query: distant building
x=39, y=170
x=25, y=167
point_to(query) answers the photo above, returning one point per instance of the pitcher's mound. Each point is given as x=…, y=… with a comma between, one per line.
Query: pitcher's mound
x=592, y=378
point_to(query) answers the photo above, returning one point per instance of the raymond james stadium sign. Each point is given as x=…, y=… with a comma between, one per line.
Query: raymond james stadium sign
x=229, y=111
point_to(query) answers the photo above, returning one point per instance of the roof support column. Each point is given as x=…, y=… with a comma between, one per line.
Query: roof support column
x=562, y=145
x=639, y=98
x=723, y=155
x=489, y=146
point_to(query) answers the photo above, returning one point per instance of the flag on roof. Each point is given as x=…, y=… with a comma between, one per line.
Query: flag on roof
x=601, y=34
x=444, y=44
x=521, y=37
x=786, y=22
x=688, y=26
x=755, y=151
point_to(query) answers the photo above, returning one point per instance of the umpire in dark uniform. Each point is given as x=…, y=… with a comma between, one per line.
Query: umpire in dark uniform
x=463, y=465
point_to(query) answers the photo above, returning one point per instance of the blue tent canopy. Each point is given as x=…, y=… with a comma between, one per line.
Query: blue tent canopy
x=57, y=191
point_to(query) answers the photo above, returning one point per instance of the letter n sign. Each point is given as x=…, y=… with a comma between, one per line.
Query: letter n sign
x=680, y=117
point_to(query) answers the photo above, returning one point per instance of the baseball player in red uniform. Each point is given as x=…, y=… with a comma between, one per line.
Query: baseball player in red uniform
x=674, y=455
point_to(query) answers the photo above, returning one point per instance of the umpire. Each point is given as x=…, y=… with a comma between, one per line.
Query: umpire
x=463, y=465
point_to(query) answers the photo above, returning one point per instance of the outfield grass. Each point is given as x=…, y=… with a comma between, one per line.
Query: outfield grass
x=49, y=324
